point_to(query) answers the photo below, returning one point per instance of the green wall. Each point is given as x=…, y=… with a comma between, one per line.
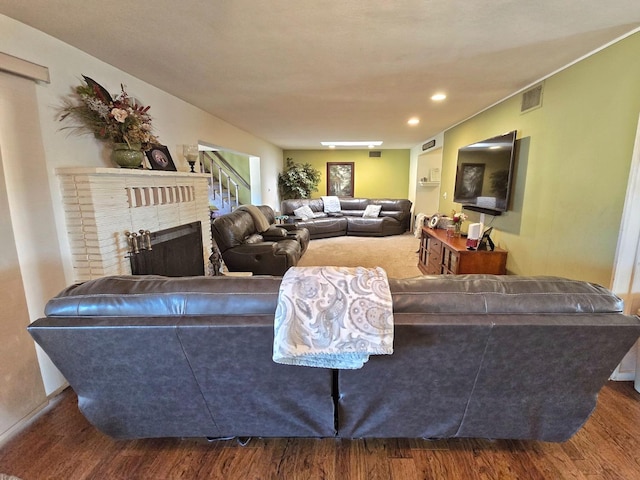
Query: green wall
x=384, y=177
x=572, y=167
x=240, y=163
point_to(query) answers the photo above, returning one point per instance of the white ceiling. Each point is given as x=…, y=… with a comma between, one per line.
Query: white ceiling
x=300, y=72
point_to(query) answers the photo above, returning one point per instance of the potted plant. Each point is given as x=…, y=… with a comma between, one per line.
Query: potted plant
x=298, y=180
x=118, y=119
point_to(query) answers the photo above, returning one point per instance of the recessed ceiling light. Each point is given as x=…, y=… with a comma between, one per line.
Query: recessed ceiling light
x=414, y=121
x=376, y=143
x=332, y=146
x=438, y=97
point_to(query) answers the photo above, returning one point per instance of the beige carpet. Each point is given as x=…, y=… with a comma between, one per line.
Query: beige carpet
x=397, y=254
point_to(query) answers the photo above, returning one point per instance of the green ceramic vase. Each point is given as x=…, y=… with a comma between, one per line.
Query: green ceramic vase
x=127, y=156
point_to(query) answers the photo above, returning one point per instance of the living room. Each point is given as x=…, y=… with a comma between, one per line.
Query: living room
x=574, y=160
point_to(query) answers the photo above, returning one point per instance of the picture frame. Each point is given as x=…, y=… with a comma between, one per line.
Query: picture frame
x=160, y=158
x=485, y=242
x=340, y=179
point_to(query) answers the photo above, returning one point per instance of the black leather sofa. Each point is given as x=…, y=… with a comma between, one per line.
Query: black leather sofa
x=244, y=249
x=474, y=356
x=394, y=217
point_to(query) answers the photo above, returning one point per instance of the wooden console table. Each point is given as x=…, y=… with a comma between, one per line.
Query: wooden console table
x=440, y=254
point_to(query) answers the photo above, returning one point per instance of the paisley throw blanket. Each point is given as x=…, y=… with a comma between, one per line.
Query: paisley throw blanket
x=333, y=317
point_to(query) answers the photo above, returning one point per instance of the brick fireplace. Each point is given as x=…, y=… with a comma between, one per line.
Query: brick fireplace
x=102, y=205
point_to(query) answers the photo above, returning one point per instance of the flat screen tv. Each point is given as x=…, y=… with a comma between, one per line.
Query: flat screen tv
x=484, y=174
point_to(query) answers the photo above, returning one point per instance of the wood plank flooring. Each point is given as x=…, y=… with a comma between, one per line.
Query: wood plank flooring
x=59, y=444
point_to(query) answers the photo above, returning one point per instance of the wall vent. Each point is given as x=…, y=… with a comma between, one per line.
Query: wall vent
x=531, y=99
x=375, y=154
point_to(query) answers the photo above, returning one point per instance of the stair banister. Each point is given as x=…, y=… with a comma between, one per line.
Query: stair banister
x=221, y=164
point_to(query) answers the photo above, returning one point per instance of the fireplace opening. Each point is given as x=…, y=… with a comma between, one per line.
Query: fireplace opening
x=173, y=252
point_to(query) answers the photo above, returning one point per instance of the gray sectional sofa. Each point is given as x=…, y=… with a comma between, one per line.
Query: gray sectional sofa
x=394, y=217
x=474, y=356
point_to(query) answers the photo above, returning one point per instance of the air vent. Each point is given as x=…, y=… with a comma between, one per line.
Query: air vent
x=375, y=154
x=531, y=99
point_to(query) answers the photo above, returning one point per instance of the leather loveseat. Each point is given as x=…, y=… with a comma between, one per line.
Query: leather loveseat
x=394, y=217
x=245, y=249
x=474, y=356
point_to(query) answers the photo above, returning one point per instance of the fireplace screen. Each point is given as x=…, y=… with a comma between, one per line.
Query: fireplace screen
x=174, y=252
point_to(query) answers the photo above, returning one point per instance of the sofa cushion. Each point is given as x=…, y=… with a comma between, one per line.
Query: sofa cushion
x=496, y=294
x=288, y=206
x=152, y=295
x=324, y=227
x=367, y=226
x=232, y=229
x=268, y=213
x=354, y=203
x=372, y=211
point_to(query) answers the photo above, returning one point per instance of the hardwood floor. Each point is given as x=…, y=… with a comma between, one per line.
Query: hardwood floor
x=60, y=444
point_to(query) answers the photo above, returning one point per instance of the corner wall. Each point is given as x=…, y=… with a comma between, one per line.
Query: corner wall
x=572, y=169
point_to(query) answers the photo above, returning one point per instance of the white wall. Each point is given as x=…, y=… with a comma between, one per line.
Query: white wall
x=21, y=390
x=425, y=199
x=176, y=122
x=29, y=209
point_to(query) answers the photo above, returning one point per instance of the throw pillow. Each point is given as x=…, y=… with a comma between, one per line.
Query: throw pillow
x=305, y=213
x=372, y=211
x=331, y=204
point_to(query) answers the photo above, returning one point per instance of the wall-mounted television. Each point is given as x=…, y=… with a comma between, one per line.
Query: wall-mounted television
x=484, y=174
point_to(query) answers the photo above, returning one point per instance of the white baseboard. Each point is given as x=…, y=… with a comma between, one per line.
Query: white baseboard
x=27, y=419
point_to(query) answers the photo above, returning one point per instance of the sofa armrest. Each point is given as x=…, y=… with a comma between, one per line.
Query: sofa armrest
x=273, y=234
x=289, y=248
x=289, y=226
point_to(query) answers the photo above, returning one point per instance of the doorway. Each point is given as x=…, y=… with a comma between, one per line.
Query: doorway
x=234, y=177
x=625, y=280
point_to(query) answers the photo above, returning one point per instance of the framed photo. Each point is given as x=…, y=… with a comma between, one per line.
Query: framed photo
x=160, y=158
x=340, y=179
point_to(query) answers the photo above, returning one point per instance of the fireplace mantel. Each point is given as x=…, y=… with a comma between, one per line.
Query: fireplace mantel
x=101, y=204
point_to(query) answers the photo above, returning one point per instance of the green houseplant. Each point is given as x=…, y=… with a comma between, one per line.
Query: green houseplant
x=298, y=180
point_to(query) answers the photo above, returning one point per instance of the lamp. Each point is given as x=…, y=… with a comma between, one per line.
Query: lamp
x=190, y=152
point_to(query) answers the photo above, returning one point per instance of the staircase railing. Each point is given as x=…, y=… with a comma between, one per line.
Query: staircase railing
x=225, y=174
